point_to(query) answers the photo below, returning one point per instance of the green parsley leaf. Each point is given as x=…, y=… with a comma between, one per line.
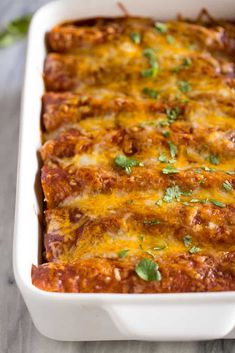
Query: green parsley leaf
x=187, y=240
x=217, y=203
x=199, y=201
x=148, y=270
x=194, y=250
x=159, y=203
x=227, y=185
x=214, y=159
x=150, y=54
x=175, y=192
x=127, y=163
x=152, y=221
x=176, y=69
x=170, y=39
x=230, y=172
x=173, y=149
x=169, y=169
x=207, y=169
x=195, y=200
x=187, y=62
x=161, y=27
x=172, y=193
x=172, y=114
x=123, y=253
x=152, y=93
x=14, y=31
x=136, y=37
x=163, y=158
x=166, y=133
x=152, y=72
x=141, y=237
x=184, y=86
x=159, y=247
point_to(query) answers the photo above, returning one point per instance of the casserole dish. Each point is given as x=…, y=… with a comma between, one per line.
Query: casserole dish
x=99, y=316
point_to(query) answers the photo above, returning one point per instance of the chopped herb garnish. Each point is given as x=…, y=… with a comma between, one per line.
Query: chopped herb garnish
x=175, y=192
x=199, y=201
x=152, y=221
x=184, y=86
x=170, y=39
x=166, y=133
x=217, y=203
x=159, y=203
x=123, y=253
x=195, y=200
x=173, y=149
x=187, y=240
x=127, y=163
x=194, y=249
x=164, y=123
x=148, y=270
x=169, y=169
x=159, y=247
x=152, y=93
x=197, y=170
x=161, y=27
x=187, y=62
x=214, y=159
x=227, y=185
x=230, y=172
x=172, y=193
x=136, y=37
x=150, y=54
x=163, y=158
x=207, y=169
x=15, y=30
x=141, y=237
x=152, y=72
x=172, y=114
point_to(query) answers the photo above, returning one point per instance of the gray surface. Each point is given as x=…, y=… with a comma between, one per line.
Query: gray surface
x=17, y=333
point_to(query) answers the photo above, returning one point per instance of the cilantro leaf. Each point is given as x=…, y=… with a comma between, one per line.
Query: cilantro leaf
x=217, y=203
x=166, y=133
x=169, y=169
x=174, y=192
x=161, y=27
x=170, y=39
x=151, y=72
x=14, y=31
x=227, y=185
x=184, y=86
x=152, y=221
x=152, y=93
x=127, y=163
x=147, y=270
x=159, y=247
x=172, y=114
x=214, y=159
x=187, y=62
x=194, y=250
x=173, y=149
x=163, y=158
x=136, y=37
x=123, y=253
x=187, y=240
x=230, y=172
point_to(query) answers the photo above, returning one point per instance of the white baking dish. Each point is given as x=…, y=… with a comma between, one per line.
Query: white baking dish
x=84, y=317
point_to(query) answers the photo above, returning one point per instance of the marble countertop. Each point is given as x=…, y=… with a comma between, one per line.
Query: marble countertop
x=17, y=332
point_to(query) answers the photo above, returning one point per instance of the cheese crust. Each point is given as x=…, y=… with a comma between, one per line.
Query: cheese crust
x=138, y=132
